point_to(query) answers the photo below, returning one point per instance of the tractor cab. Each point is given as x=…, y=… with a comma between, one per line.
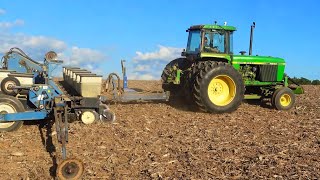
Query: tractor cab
x=209, y=39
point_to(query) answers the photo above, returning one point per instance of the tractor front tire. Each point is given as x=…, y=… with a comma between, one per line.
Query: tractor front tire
x=9, y=104
x=218, y=87
x=7, y=84
x=283, y=99
x=175, y=89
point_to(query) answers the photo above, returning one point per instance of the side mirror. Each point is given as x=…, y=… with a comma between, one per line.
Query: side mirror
x=184, y=53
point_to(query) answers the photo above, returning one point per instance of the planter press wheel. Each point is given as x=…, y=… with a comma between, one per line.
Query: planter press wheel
x=70, y=169
x=106, y=115
x=9, y=104
x=7, y=84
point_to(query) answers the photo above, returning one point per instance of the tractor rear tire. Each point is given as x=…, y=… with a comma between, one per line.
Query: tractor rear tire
x=283, y=99
x=9, y=104
x=217, y=87
x=7, y=83
x=175, y=89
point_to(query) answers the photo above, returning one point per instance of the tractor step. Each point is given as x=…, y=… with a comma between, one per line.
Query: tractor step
x=297, y=90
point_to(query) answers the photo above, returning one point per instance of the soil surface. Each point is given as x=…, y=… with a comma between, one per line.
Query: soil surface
x=171, y=141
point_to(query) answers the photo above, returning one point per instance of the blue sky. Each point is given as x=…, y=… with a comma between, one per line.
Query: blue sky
x=148, y=34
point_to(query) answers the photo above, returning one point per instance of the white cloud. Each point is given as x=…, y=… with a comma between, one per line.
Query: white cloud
x=2, y=11
x=145, y=65
x=83, y=55
x=42, y=41
x=37, y=46
x=8, y=25
x=141, y=67
x=164, y=53
x=149, y=65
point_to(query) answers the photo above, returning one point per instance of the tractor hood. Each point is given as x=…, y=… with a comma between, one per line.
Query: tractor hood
x=267, y=60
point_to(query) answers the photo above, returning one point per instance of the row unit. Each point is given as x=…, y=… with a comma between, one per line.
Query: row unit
x=83, y=81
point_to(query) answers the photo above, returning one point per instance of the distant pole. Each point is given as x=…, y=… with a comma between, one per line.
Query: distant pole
x=124, y=74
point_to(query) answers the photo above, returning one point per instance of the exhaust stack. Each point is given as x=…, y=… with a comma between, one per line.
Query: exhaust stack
x=251, y=38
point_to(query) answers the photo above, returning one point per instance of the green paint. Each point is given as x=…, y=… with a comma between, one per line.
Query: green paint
x=258, y=83
x=280, y=74
x=286, y=84
x=236, y=66
x=177, y=79
x=218, y=27
x=242, y=59
x=262, y=60
x=298, y=90
x=238, y=60
x=252, y=96
x=215, y=55
x=245, y=64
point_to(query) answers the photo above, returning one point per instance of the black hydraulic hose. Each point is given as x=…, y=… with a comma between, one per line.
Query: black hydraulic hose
x=23, y=54
x=20, y=50
x=4, y=59
x=110, y=79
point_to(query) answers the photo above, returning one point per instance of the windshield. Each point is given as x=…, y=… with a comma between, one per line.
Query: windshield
x=214, y=42
x=193, y=42
x=231, y=42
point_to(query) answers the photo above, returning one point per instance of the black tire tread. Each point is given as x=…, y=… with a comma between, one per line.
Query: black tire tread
x=200, y=71
x=19, y=108
x=276, y=97
x=173, y=88
x=3, y=88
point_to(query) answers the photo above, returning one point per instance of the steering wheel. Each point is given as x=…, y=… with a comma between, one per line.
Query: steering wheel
x=216, y=48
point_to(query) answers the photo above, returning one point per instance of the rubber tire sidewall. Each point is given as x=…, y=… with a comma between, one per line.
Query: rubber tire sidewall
x=59, y=171
x=173, y=88
x=274, y=97
x=19, y=108
x=226, y=70
x=277, y=96
x=4, y=81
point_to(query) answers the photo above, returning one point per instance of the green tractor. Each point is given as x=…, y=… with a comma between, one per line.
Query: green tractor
x=216, y=80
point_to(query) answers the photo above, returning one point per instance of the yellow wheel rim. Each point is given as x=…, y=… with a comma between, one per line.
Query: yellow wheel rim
x=221, y=90
x=285, y=100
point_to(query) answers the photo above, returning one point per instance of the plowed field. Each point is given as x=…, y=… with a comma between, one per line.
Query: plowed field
x=171, y=141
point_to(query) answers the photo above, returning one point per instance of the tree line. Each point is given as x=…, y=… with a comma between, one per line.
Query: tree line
x=305, y=81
